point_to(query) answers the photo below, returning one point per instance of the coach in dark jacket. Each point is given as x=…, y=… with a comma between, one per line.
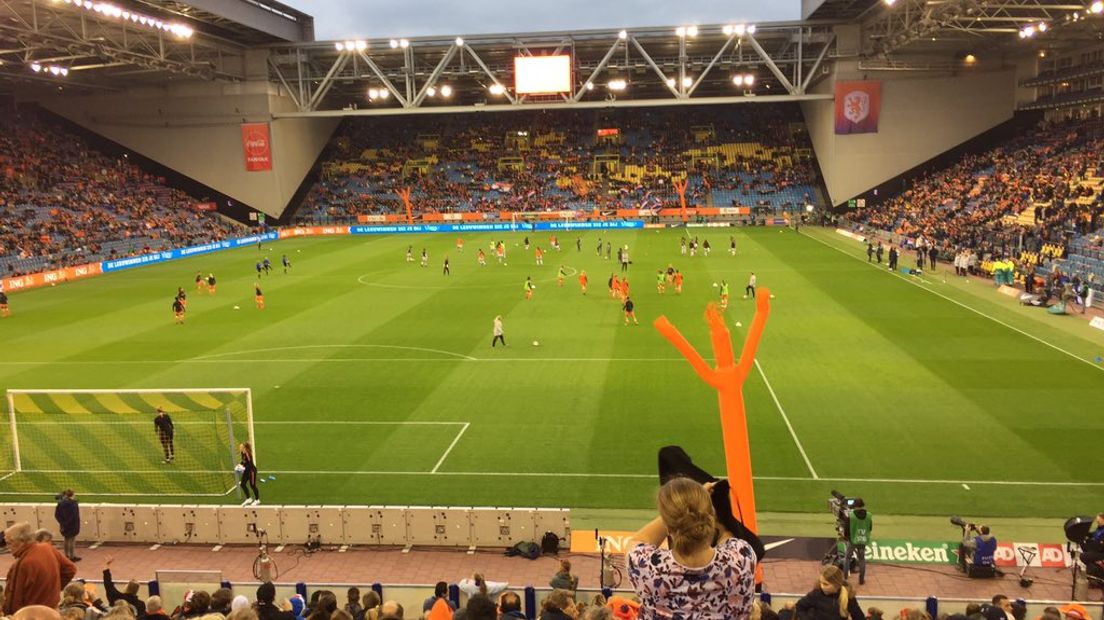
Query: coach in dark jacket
x=67, y=514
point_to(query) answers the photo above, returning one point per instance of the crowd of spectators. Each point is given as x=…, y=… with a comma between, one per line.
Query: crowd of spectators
x=63, y=203
x=559, y=161
x=963, y=208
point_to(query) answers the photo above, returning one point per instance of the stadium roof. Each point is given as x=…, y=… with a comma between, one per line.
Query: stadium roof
x=100, y=45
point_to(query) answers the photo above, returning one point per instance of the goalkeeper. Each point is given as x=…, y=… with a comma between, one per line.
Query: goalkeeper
x=248, y=471
x=164, y=426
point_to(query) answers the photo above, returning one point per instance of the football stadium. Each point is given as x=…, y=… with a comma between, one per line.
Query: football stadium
x=705, y=318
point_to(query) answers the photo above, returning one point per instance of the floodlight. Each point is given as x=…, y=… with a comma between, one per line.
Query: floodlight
x=394, y=43
x=403, y=43
x=589, y=85
x=680, y=31
x=496, y=89
x=692, y=31
x=751, y=29
x=671, y=82
x=373, y=93
x=687, y=81
x=1097, y=7
x=738, y=80
x=361, y=46
x=446, y=91
x=749, y=79
x=459, y=42
x=36, y=67
x=64, y=72
x=618, y=84
x=623, y=35
x=1042, y=26
x=339, y=46
x=384, y=93
x=431, y=92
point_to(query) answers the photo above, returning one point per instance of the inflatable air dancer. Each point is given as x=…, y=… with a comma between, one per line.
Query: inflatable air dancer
x=728, y=379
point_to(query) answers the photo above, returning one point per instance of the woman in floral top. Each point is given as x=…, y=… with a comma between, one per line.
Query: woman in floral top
x=706, y=575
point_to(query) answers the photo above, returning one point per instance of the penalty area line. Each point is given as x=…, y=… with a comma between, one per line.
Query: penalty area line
x=786, y=419
x=452, y=445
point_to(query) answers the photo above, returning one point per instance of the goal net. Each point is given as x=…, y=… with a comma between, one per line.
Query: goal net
x=104, y=442
x=527, y=220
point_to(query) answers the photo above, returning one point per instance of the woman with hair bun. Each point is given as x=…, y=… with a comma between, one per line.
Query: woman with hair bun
x=706, y=574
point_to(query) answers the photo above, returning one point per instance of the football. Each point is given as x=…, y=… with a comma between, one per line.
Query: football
x=237, y=307
x=536, y=344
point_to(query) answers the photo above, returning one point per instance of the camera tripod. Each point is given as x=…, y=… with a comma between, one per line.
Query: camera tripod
x=264, y=567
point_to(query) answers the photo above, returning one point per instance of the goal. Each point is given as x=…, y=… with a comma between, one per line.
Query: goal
x=527, y=220
x=103, y=442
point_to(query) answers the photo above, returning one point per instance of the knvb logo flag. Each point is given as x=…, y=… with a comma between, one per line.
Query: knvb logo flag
x=857, y=107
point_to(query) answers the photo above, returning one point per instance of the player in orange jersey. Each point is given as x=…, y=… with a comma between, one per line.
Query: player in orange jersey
x=624, y=289
x=211, y=283
x=678, y=282
x=528, y=288
x=459, y=244
x=539, y=254
x=258, y=296
x=614, y=285
x=583, y=281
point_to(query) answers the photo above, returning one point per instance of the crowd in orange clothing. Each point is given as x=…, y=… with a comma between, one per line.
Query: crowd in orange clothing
x=63, y=203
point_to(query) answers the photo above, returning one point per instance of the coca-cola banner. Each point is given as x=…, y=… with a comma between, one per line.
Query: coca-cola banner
x=257, y=147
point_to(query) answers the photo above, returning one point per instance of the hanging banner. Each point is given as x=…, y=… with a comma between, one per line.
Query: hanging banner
x=257, y=147
x=858, y=105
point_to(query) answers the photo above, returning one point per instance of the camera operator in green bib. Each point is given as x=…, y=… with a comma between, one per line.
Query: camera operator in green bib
x=860, y=524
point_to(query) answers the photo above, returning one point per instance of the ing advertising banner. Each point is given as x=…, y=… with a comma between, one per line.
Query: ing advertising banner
x=858, y=105
x=257, y=147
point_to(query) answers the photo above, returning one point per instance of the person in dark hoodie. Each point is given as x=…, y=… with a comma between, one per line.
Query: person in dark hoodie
x=832, y=599
x=129, y=594
x=860, y=524
x=266, y=607
x=67, y=514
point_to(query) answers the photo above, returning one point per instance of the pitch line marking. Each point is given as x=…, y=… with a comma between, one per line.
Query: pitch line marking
x=531, y=474
x=786, y=419
x=452, y=445
x=342, y=360
x=971, y=309
x=328, y=346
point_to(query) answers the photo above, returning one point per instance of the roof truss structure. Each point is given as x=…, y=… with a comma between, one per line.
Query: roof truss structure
x=659, y=66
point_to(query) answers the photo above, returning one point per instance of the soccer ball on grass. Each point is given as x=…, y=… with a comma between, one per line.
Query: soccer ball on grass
x=536, y=343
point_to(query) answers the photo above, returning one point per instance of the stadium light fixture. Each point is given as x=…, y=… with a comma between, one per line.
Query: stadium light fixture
x=403, y=43
x=589, y=85
x=361, y=46
x=1042, y=27
x=394, y=43
x=624, y=34
x=687, y=81
x=680, y=31
x=618, y=84
x=727, y=30
x=373, y=93
x=431, y=92
x=692, y=31
x=1097, y=7
x=339, y=46
x=496, y=89
x=671, y=82
x=36, y=67
x=109, y=10
x=384, y=93
x=890, y=2
x=459, y=42
x=751, y=29
x=970, y=59
x=446, y=91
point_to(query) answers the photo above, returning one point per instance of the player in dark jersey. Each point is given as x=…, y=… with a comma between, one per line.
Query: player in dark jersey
x=4, y=311
x=211, y=283
x=165, y=430
x=267, y=265
x=630, y=311
x=287, y=263
x=199, y=280
x=248, y=475
x=446, y=266
x=178, y=310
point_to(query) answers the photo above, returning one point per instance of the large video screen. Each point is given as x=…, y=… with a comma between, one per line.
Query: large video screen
x=542, y=75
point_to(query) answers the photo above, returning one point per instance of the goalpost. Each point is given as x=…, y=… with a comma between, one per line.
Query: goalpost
x=524, y=220
x=103, y=442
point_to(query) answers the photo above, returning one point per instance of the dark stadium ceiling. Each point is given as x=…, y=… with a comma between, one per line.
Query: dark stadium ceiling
x=919, y=26
x=90, y=45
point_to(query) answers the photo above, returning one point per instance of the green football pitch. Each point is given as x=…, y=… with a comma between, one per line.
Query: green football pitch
x=374, y=380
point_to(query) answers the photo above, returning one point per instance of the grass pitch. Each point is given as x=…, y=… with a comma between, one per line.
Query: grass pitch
x=374, y=380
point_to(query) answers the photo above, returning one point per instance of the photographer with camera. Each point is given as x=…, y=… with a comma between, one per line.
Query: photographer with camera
x=860, y=525
x=976, y=554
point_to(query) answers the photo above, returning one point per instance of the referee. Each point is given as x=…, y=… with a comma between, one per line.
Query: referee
x=164, y=426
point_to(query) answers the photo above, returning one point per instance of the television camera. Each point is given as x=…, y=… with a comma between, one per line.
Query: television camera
x=1086, y=551
x=840, y=506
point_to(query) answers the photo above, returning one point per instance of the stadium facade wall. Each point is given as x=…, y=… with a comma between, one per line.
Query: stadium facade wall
x=922, y=115
x=195, y=130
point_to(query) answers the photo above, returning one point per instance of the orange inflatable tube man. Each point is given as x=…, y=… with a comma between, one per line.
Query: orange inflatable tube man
x=728, y=379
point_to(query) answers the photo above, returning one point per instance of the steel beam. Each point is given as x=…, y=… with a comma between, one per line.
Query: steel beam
x=770, y=65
